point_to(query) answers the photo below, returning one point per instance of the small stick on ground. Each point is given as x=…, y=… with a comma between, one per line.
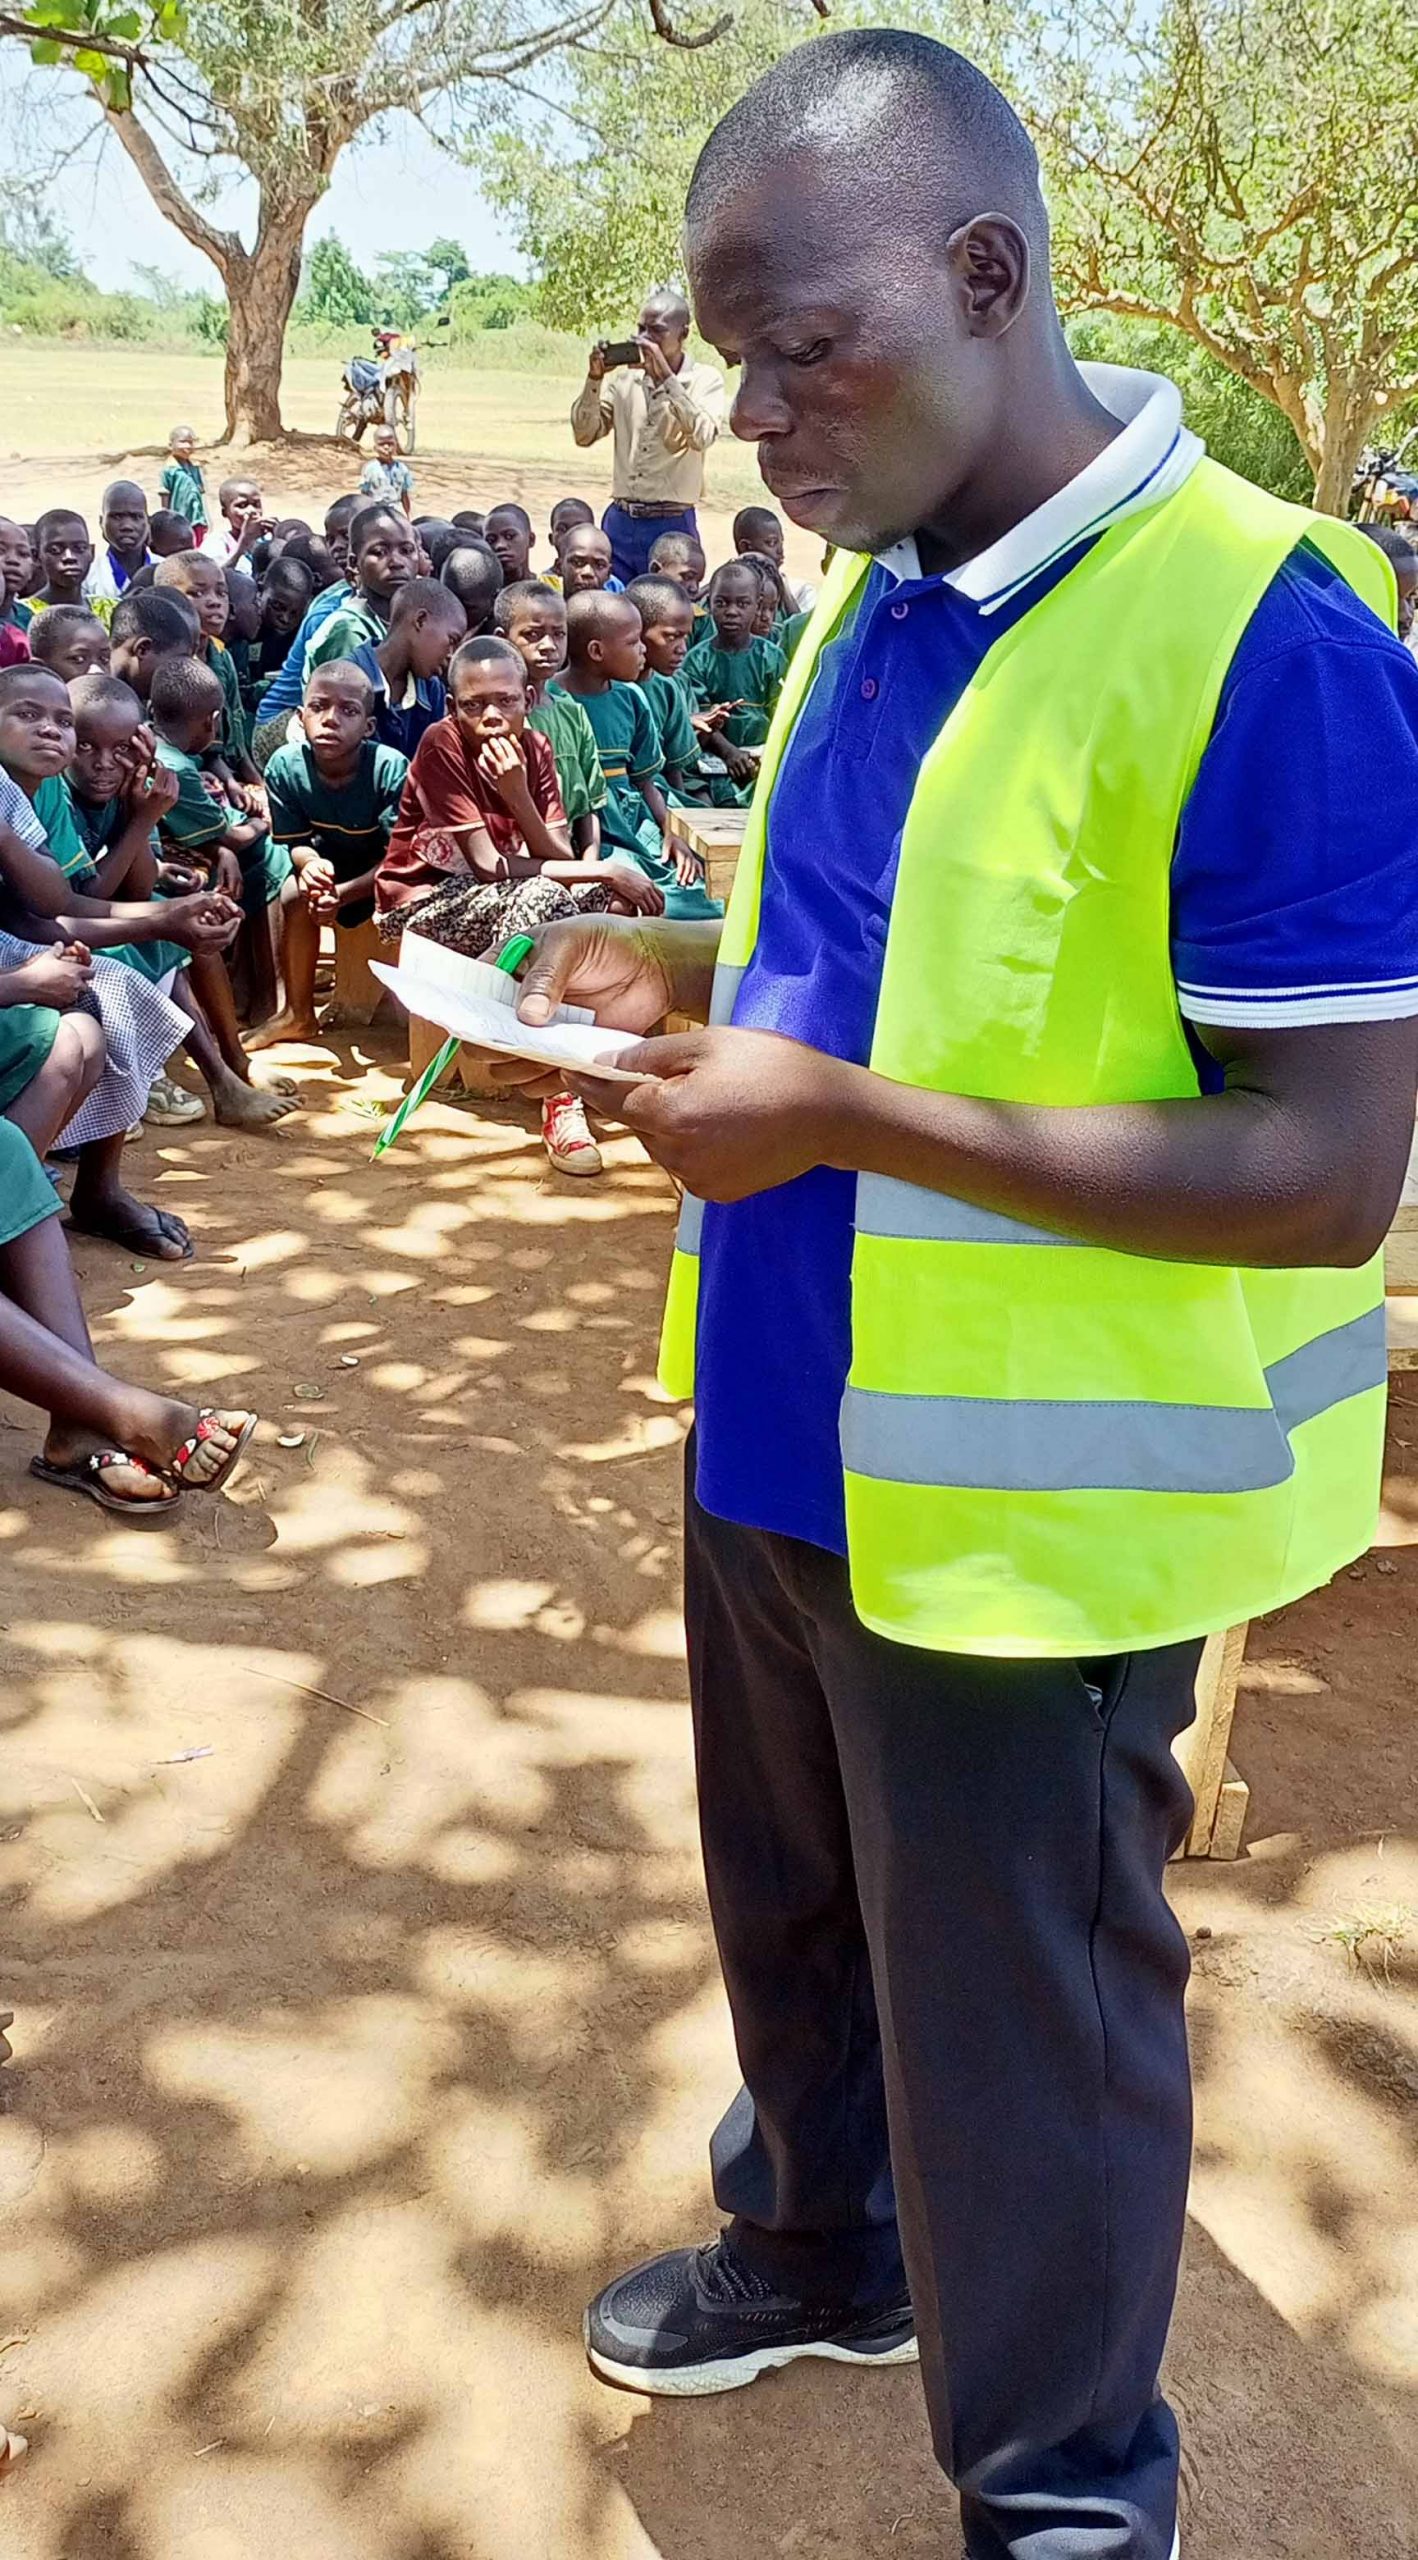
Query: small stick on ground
x=283, y=1682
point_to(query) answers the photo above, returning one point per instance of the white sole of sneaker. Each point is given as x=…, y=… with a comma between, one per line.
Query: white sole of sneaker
x=699, y=2381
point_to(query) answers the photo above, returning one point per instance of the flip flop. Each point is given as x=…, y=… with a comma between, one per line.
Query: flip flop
x=138, y=1239
x=85, y=1475
x=210, y=1421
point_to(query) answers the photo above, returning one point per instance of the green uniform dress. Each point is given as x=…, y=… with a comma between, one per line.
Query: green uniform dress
x=78, y=833
x=346, y=630
x=350, y=827
x=753, y=676
x=182, y=490
x=196, y=822
x=27, y=1196
x=560, y=719
x=235, y=743
x=669, y=708
x=628, y=744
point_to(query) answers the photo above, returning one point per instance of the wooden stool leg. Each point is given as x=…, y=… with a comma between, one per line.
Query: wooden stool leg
x=1219, y=1794
x=425, y=1041
x=357, y=996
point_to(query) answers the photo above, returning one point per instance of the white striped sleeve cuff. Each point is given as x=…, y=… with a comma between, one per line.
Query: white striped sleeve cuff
x=1286, y=1008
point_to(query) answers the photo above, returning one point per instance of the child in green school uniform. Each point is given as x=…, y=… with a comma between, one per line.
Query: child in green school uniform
x=384, y=555
x=187, y=706
x=16, y=577
x=180, y=483
x=605, y=657
x=203, y=583
x=334, y=797
x=667, y=622
x=735, y=667
x=531, y=613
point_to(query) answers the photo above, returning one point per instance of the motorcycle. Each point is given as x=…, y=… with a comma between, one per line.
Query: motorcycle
x=381, y=390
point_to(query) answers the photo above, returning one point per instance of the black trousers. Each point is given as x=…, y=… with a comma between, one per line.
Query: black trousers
x=936, y=1885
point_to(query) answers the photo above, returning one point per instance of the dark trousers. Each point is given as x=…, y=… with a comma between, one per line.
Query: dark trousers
x=633, y=538
x=936, y=1885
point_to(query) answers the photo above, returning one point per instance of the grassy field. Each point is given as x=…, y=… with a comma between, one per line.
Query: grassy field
x=483, y=434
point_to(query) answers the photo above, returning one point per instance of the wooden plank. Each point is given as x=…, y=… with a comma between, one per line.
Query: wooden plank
x=1401, y=1257
x=716, y=835
x=1231, y=1808
x=1401, y=1317
x=1202, y=1750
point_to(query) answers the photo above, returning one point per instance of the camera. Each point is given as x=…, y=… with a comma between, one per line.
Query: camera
x=619, y=351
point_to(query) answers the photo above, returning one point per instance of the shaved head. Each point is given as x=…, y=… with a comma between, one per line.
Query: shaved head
x=866, y=238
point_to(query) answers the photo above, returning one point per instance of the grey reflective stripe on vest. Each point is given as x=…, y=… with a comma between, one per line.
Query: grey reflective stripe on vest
x=990, y=1444
x=902, y=1209
x=727, y=982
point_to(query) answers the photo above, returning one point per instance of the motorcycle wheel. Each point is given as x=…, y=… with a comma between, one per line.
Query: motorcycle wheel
x=349, y=424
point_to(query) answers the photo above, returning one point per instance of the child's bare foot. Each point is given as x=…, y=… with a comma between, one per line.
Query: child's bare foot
x=237, y=1105
x=283, y=1026
x=113, y=1213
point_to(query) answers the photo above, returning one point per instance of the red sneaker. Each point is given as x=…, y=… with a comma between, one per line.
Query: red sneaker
x=568, y=1142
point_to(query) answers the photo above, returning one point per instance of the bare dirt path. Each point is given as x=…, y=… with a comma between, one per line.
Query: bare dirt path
x=353, y=2053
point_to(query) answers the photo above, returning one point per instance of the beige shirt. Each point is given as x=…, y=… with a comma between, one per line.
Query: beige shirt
x=662, y=430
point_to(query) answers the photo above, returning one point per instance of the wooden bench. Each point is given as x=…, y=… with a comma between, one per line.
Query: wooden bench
x=716, y=835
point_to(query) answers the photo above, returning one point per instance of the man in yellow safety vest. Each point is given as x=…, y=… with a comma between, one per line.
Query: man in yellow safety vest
x=1055, y=1098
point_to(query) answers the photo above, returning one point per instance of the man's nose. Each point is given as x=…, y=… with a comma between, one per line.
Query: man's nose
x=759, y=408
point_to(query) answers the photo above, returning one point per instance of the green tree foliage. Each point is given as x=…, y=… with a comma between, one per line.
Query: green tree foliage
x=1245, y=169
x=334, y=290
x=481, y=302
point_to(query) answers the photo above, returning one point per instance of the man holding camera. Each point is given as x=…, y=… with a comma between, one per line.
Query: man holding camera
x=664, y=411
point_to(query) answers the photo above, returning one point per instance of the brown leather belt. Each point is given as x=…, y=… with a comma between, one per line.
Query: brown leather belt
x=635, y=507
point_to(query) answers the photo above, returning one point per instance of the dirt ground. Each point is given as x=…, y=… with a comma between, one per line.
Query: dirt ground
x=368, y=2015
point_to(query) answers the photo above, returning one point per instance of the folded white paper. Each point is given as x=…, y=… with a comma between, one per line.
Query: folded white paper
x=572, y=1040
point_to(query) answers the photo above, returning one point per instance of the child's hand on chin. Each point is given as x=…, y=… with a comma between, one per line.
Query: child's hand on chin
x=501, y=760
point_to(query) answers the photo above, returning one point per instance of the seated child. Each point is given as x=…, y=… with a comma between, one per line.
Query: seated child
x=481, y=849
x=532, y=616
x=123, y=548
x=243, y=524
x=509, y=535
x=473, y=573
x=283, y=598
x=118, y=794
x=470, y=520
x=65, y=556
x=180, y=483
x=16, y=577
x=758, y=530
x=584, y=561
x=203, y=581
x=605, y=657
x=386, y=476
x=774, y=598
x=70, y=640
x=213, y=829
x=243, y=630
x=666, y=618
x=287, y=692
x=681, y=556
x=405, y=668
x=140, y=1027
x=169, y=532
x=566, y=513
x=383, y=557
x=334, y=799
x=736, y=672
x=148, y=626
x=440, y=538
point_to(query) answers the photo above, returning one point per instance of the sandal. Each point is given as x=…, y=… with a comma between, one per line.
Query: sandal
x=86, y=1475
x=243, y=1424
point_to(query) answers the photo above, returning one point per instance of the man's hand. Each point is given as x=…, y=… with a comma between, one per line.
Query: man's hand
x=654, y=360
x=636, y=894
x=730, y=1112
x=57, y=978
x=614, y=970
x=206, y=922
x=501, y=760
x=596, y=362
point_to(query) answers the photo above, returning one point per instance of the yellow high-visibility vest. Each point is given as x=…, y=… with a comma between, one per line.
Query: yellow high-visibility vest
x=1048, y=1447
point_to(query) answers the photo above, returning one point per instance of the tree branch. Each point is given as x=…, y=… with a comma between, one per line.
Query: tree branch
x=224, y=248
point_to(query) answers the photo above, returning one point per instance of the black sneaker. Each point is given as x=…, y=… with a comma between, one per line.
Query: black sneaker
x=699, y=2320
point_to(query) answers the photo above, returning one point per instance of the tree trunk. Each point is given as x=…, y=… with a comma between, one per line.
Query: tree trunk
x=261, y=285
x=1349, y=413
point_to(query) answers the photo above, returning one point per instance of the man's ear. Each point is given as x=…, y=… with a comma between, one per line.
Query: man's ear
x=989, y=259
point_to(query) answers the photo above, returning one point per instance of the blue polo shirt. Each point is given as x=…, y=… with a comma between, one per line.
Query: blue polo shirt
x=1294, y=899
x=287, y=691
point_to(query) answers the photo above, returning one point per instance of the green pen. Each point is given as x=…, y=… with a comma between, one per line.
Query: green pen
x=510, y=958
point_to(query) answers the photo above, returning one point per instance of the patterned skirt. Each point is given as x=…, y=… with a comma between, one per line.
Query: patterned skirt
x=141, y=1030
x=474, y=916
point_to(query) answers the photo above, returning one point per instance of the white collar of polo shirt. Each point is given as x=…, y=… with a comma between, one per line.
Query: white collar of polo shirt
x=1150, y=460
